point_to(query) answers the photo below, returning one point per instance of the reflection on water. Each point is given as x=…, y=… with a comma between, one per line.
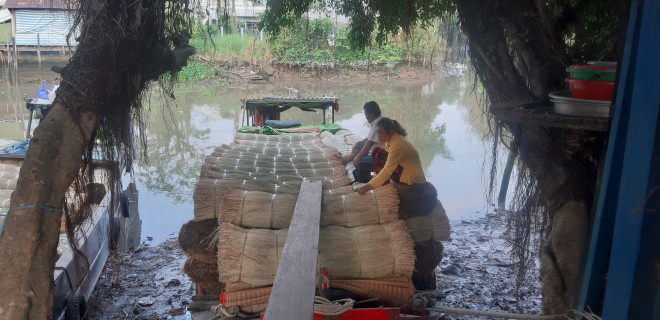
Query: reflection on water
x=435, y=114
x=441, y=117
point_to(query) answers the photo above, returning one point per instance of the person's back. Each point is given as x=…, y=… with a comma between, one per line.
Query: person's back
x=361, y=150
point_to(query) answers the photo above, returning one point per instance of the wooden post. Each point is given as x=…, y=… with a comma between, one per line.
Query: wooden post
x=29, y=124
x=333, y=114
x=292, y=296
x=15, y=58
x=39, y=56
x=247, y=85
x=323, y=115
x=9, y=59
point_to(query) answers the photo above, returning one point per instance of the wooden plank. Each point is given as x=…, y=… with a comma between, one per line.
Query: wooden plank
x=293, y=290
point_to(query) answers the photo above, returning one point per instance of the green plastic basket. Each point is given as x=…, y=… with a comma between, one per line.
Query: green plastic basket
x=592, y=73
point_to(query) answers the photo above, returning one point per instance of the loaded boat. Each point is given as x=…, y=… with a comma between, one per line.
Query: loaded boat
x=278, y=230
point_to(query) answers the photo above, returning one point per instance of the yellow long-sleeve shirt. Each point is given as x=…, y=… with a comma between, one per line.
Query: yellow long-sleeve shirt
x=400, y=152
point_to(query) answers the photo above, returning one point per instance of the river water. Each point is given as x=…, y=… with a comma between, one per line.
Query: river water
x=441, y=116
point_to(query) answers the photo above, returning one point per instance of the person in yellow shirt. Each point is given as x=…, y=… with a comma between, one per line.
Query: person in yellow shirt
x=403, y=165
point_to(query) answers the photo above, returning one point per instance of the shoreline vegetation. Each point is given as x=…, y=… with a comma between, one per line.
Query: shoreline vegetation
x=319, y=48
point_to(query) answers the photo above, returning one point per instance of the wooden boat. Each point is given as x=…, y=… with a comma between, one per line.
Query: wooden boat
x=76, y=275
x=292, y=294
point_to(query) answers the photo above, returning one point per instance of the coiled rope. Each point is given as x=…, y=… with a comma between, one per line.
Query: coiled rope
x=332, y=308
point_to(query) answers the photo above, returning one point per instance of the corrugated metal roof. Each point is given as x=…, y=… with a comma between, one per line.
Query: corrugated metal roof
x=5, y=15
x=52, y=27
x=36, y=4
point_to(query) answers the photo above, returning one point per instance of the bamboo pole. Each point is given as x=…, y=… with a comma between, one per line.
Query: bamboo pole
x=247, y=84
x=41, y=77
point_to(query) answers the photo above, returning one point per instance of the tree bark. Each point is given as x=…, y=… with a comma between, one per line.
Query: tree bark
x=489, y=51
x=28, y=245
x=519, y=57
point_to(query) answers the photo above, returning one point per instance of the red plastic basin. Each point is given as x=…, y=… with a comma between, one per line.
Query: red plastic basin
x=595, y=90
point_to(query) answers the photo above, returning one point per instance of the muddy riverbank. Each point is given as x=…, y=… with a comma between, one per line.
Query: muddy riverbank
x=476, y=273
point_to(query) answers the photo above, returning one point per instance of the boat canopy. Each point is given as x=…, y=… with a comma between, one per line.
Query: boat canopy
x=283, y=103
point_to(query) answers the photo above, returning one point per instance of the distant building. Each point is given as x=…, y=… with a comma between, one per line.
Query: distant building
x=249, y=12
x=50, y=19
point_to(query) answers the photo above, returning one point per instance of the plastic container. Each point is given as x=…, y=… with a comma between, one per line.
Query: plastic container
x=594, y=90
x=567, y=105
x=592, y=72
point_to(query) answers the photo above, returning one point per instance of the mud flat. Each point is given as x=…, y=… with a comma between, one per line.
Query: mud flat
x=476, y=273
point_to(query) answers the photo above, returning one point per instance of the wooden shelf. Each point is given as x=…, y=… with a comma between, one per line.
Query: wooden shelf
x=531, y=113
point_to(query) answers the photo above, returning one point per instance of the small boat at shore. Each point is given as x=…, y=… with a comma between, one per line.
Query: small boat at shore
x=76, y=272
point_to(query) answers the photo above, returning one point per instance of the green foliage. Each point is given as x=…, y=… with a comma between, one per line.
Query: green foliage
x=593, y=32
x=382, y=18
x=230, y=46
x=196, y=71
x=320, y=41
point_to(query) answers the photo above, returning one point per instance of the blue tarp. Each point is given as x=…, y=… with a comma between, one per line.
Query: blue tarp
x=17, y=148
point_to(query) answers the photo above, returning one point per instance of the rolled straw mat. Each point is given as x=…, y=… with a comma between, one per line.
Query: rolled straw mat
x=197, y=240
x=341, y=207
x=393, y=292
x=248, y=258
x=204, y=275
x=434, y=226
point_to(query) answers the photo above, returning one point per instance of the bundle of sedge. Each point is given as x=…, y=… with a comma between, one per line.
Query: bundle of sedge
x=274, y=138
x=204, y=275
x=308, y=158
x=378, y=206
x=329, y=182
x=275, y=150
x=302, y=143
x=209, y=192
x=292, y=181
x=197, y=240
x=434, y=226
x=255, y=209
x=248, y=258
x=307, y=173
x=269, y=163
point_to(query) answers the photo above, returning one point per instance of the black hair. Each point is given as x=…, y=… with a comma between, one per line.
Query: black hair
x=372, y=107
x=390, y=125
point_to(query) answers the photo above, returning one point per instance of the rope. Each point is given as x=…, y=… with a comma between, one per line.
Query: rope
x=240, y=216
x=496, y=314
x=389, y=235
x=332, y=308
x=277, y=251
x=240, y=269
x=215, y=203
x=357, y=242
x=6, y=214
x=272, y=201
x=376, y=203
x=343, y=202
x=221, y=313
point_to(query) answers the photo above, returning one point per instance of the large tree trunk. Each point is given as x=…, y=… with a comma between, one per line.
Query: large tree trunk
x=123, y=45
x=511, y=41
x=28, y=245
